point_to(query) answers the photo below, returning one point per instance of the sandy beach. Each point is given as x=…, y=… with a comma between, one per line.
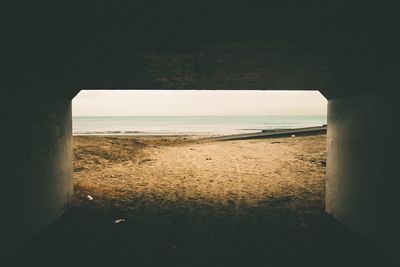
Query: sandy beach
x=130, y=174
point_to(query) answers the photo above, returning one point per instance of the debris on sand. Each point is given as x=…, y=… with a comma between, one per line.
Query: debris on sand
x=293, y=135
x=144, y=161
x=322, y=163
x=119, y=221
x=89, y=197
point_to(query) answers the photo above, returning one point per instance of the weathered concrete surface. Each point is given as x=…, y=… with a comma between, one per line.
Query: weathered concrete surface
x=37, y=172
x=208, y=45
x=363, y=185
x=273, y=66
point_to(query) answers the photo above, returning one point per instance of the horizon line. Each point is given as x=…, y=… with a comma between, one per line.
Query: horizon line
x=197, y=115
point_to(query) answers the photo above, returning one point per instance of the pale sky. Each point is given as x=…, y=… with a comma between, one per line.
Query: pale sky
x=197, y=103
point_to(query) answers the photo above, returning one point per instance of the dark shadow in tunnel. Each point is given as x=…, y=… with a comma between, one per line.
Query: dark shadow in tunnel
x=271, y=234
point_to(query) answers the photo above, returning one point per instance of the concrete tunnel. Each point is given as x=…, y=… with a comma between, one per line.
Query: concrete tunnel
x=54, y=51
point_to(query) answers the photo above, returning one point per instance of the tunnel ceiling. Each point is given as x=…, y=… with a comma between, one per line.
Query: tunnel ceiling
x=207, y=45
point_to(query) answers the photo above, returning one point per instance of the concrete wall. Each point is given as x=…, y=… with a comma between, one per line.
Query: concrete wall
x=363, y=181
x=37, y=172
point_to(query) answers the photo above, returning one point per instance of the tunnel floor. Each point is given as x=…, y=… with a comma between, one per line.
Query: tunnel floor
x=84, y=238
x=190, y=211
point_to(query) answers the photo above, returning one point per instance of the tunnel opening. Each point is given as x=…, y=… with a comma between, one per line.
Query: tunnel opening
x=122, y=152
x=55, y=50
x=181, y=185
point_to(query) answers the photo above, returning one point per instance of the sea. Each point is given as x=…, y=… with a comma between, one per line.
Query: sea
x=188, y=125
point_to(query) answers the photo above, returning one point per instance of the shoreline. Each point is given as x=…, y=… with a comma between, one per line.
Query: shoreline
x=254, y=133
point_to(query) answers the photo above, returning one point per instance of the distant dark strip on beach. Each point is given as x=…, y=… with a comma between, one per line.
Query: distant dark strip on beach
x=275, y=133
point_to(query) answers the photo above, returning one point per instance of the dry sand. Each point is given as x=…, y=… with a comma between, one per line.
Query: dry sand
x=129, y=174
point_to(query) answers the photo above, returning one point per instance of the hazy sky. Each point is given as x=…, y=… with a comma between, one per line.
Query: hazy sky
x=203, y=103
